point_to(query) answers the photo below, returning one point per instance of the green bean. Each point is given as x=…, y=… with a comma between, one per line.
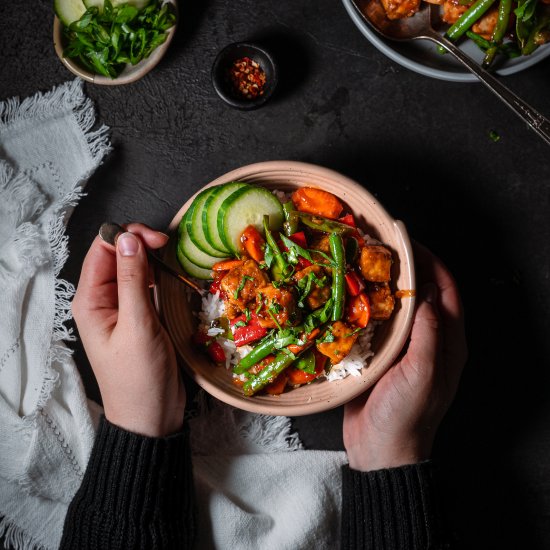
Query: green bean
x=283, y=268
x=536, y=37
x=468, y=18
x=504, y=9
x=352, y=250
x=478, y=40
x=338, y=275
x=290, y=226
x=324, y=224
x=268, y=374
x=306, y=362
x=262, y=350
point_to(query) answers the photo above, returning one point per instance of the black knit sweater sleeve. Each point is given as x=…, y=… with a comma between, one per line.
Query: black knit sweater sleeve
x=137, y=493
x=394, y=508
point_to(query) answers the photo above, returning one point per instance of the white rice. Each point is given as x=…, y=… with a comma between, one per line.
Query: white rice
x=282, y=196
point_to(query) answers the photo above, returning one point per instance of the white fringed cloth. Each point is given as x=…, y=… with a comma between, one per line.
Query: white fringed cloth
x=48, y=149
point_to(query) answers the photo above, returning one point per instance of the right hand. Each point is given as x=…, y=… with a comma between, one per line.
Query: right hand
x=130, y=353
x=395, y=424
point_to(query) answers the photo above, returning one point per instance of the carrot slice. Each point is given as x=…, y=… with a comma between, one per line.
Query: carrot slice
x=278, y=385
x=226, y=265
x=253, y=243
x=318, y=202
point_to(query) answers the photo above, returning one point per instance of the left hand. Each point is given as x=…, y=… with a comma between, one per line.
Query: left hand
x=130, y=353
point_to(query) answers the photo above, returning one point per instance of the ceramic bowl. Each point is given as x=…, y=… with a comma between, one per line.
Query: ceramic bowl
x=225, y=88
x=176, y=305
x=131, y=73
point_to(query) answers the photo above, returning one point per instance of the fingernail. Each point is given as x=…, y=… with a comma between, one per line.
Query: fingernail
x=429, y=293
x=163, y=234
x=127, y=244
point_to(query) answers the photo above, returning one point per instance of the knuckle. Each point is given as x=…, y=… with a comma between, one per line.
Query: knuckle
x=128, y=274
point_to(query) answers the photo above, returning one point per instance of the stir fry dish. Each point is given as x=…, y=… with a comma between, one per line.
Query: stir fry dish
x=509, y=28
x=298, y=282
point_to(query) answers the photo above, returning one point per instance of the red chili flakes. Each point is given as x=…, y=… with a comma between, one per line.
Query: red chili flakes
x=247, y=77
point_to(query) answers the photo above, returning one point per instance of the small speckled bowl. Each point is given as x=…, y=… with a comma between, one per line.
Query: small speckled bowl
x=176, y=305
x=223, y=85
x=131, y=73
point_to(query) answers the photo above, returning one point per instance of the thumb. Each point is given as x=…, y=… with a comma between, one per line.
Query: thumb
x=132, y=277
x=424, y=342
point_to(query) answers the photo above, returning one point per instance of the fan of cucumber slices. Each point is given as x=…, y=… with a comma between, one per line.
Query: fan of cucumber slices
x=211, y=228
x=105, y=36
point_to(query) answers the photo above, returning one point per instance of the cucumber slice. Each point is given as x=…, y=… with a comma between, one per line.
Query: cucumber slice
x=69, y=11
x=195, y=228
x=247, y=206
x=139, y=4
x=193, y=252
x=211, y=210
x=191, y=269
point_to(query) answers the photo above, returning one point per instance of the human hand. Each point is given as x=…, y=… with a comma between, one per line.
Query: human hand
x=396, y=423
x=130, y=353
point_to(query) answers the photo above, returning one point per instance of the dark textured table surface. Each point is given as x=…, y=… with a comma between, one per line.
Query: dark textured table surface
x=420, y=145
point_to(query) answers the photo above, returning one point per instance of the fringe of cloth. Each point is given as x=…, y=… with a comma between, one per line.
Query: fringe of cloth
x=16, y=538
x=237, y=431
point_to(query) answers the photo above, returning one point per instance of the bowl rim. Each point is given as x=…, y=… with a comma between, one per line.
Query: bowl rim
x=394, y=348
x=139, y=71
x=245, y=104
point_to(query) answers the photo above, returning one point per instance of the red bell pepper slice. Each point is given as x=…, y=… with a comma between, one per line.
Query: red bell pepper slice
x=348, y=219
x=299, y=238
x=354, y=283
x=215, y=286
x=212, y=347
x=359, y=310
x=216, y=352
x=248, y=333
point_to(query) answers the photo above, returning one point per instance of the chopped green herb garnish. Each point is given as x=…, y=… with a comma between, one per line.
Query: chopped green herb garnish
x=494, y=136
x=294, y=250
x=120, y=35
x=241, y=285
x=274, y=319
x=326, y=338
x=260, y=303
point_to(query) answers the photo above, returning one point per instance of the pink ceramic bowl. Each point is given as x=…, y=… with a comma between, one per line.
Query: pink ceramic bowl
x=176, y=305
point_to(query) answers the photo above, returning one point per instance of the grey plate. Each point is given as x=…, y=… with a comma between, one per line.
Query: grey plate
x=422, y=56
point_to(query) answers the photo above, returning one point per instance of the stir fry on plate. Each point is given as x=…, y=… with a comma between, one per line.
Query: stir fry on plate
x=509, y=28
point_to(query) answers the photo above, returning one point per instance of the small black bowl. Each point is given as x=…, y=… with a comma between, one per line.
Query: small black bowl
x=225, y=87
